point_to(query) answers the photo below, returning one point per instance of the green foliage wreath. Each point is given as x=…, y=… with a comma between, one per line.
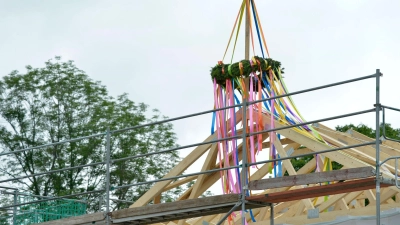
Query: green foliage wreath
x=221, y=72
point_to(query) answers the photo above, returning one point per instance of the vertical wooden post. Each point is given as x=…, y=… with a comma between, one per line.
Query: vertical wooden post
x=247, y=31
x=247, y=38
x=244, y=108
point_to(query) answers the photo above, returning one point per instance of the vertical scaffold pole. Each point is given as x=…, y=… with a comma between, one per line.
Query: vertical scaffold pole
x=377, y=139
x=15, y=207
x=271, y=218
x=244, y=161
x=108, y=176
x=244, y=117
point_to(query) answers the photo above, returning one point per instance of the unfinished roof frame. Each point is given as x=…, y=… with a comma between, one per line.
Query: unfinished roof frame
x=243, y=202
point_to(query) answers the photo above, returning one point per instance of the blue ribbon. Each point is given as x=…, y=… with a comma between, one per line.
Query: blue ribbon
x=237, y=100
x=213, y=123
x=258, y=32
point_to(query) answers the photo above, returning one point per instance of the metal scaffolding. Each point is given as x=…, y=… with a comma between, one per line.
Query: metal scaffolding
x=242, y=202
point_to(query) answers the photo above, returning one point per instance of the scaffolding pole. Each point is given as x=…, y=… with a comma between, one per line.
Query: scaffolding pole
x=272, y=214
x=377, y=140
x=244, y=162
x=15, y=207
x=108, y=149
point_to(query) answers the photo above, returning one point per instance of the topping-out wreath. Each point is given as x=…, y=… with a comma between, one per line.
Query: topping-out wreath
x=221, y=72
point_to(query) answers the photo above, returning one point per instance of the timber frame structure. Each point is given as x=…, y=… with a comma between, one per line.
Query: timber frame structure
x=365, y=185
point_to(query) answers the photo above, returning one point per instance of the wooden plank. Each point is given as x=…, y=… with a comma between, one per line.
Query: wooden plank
x=94, y=218
x=185, y=209
x=319, y=177
x=323, y=190
x=173, y=206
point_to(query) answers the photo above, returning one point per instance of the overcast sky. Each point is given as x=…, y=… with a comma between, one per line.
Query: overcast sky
x=160, y=51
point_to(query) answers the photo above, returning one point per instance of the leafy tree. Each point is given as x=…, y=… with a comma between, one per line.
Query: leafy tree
x=390, y=132
x=5, y=216
x=60, y=102
x=362, y=128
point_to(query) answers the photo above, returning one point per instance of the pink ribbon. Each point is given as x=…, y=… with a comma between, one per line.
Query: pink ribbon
x=218, y=130
x=251, y=108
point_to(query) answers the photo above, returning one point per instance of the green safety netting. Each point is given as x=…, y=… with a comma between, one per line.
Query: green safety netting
x=43, y=211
